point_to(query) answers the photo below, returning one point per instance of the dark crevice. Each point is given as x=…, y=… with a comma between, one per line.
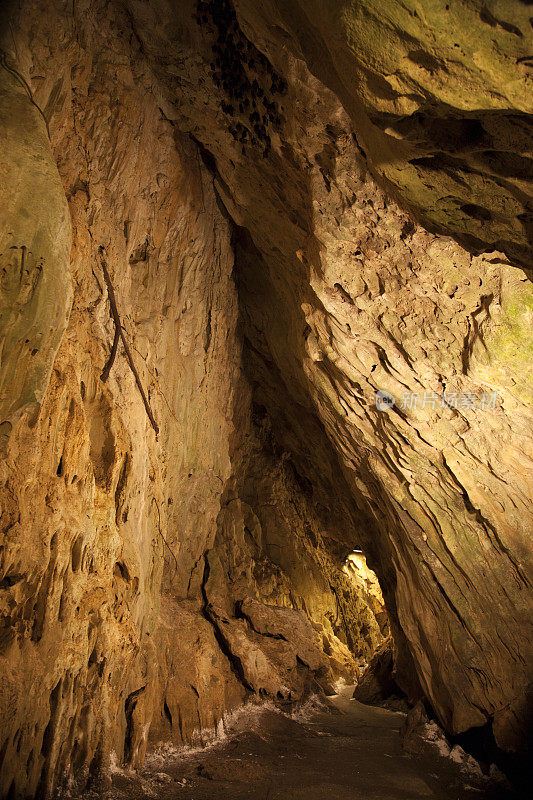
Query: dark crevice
x=208, y=613
x=129, y=708
x=166, y=711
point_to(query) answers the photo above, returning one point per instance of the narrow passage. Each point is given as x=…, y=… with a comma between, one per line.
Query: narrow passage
x=339, y=751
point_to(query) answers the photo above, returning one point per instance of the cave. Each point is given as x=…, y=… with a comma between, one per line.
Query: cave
x=266, y=439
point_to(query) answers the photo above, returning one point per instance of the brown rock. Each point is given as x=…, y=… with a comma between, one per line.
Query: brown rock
x=150, y=583
x=377, y=685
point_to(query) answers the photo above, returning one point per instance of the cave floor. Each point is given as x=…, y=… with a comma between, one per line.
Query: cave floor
x=344, y=752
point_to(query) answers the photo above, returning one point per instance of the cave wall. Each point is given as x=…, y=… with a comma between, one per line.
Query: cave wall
x=91, y=495
x=380, y=319
x=439, y=96
x=352, y=295
x=118, y=539
x=35, y=240
x=267, y=286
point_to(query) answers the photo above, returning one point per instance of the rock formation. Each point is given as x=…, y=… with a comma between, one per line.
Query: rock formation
x=225, y=227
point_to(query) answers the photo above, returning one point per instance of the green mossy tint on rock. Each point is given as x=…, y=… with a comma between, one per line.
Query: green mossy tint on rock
x=440, y=97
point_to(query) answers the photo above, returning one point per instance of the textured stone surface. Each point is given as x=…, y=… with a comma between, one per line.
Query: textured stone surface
x=34, y=251
x=377, y=685
x=106, y=525
x=440, y=97
x=267, y=287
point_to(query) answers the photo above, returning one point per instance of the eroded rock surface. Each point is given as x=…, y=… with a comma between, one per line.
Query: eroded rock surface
x=36, y=294
x=377, y=686
x=268, y=286
x=440, y=97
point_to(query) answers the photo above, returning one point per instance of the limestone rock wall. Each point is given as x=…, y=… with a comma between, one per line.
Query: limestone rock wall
x=111, y=501
x=93, y=500
x=224, y=185
x=440, y=98
x=34, y=250
x=341, y=294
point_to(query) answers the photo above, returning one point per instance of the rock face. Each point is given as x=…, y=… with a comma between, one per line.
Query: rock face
x=34, y=253
x=439, y=95
x=283, y=224
x=377, y=686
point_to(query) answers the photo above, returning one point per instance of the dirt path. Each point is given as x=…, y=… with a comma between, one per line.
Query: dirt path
x=347, y=752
